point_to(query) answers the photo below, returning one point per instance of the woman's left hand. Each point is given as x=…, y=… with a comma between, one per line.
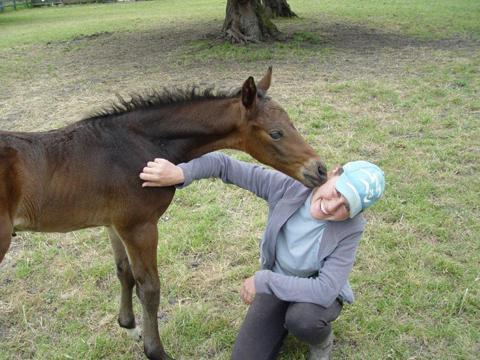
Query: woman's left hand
x=247, y=291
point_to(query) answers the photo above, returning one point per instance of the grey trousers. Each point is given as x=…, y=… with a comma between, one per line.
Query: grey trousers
x=269, y=319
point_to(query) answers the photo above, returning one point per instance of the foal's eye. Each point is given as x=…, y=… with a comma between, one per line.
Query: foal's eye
x=276, y=134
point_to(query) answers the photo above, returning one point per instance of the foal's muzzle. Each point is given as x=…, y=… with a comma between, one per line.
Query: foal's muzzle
x=315, y=174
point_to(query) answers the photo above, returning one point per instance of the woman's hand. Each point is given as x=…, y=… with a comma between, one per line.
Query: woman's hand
x=247, y=291
x=161, y=172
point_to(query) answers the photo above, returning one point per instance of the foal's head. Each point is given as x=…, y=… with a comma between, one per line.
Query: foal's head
x=270, y=137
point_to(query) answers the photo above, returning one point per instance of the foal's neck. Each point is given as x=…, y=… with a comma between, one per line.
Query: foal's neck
x=193, y=129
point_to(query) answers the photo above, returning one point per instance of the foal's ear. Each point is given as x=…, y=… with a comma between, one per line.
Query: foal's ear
x=264, y=84
x=249, y=93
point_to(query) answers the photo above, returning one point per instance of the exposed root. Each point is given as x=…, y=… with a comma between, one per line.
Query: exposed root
x=236, y=37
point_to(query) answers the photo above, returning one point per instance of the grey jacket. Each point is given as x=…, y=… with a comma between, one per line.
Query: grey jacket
x=284, y=196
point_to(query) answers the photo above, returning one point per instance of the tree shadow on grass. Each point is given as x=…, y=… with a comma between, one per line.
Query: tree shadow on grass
x=362, y=38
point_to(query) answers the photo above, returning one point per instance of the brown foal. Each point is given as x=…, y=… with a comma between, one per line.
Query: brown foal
x=86, y=174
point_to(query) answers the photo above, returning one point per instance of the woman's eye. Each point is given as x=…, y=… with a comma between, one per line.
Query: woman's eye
x=276, y=134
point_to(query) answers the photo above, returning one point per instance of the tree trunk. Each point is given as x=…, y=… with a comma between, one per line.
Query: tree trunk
x=278, y=8
x=246, y=21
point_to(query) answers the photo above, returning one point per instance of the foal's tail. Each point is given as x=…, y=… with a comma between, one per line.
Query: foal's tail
x=5, y=234
x=9, y=195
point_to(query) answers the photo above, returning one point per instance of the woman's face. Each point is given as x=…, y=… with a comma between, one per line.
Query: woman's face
x=327, y=203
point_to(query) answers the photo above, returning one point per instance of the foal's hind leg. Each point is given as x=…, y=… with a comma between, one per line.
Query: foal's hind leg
x=141, y=245
x=126, y=317
x=5, y=234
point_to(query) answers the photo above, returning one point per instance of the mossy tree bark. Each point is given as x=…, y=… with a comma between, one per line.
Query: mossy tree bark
x=246, y=21
x=278, y=8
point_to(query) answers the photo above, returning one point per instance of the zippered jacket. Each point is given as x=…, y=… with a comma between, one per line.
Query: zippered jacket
x=284, y=196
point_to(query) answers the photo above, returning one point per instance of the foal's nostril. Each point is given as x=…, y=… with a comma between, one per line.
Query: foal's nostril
x=322, y=172
x=314, y=175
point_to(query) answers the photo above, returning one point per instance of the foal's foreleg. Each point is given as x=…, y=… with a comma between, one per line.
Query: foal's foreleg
x=141, y=245
x=126, y=317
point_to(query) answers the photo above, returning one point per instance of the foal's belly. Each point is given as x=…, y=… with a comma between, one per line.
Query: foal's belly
x=53, y=213
x=74, y=213
x=69, y=221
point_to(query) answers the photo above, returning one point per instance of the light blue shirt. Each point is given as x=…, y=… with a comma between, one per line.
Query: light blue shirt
x=298, y=242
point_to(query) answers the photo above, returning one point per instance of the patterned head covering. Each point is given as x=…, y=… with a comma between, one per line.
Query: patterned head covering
x=362, y=184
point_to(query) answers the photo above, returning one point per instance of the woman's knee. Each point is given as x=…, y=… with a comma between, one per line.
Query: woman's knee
x=305, y=321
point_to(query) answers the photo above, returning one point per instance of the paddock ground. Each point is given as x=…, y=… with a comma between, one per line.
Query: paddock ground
x=393, y=82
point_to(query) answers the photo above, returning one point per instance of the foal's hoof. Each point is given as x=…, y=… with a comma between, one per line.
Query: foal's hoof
x=154, y=355
x=135, y=333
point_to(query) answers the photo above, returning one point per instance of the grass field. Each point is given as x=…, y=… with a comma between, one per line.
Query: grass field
x=394, y=82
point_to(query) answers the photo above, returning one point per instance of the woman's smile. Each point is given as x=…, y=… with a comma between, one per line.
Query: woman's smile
x=328, y=204
x=322, y=208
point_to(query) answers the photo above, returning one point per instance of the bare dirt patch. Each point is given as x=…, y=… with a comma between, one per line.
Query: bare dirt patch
x=60, y=82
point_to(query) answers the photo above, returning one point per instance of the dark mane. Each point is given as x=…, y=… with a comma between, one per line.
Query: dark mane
x=163, y=97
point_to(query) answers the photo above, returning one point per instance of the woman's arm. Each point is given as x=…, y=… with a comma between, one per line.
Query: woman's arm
x=322, y=290
x=267, y=184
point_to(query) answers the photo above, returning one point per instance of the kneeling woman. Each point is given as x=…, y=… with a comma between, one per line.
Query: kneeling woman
x=307, y=250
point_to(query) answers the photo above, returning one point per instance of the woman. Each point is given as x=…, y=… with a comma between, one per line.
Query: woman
x=307, y=250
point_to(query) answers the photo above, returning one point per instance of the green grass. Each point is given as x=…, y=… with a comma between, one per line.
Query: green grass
x=47, y=24
x=404, y=97
x=303, y=44
x=427, y=19
x=430, y=19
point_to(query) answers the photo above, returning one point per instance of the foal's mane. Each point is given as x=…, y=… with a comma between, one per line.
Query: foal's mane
x=163, y=97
